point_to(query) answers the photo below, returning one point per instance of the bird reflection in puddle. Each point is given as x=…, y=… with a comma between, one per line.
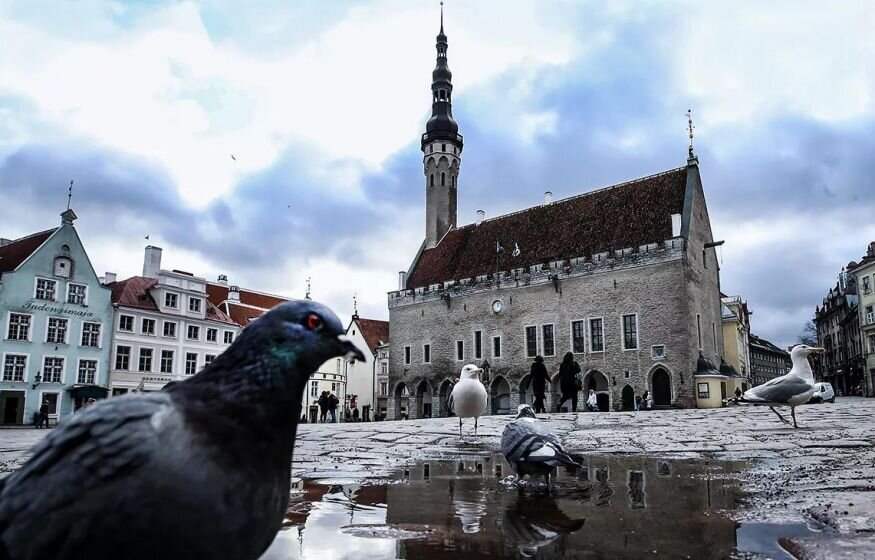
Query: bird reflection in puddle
x=469, y=502
x=534, y=522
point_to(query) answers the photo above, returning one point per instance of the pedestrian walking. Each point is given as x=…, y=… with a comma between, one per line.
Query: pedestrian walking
x=333, y=402
x=43, y=415
x=637, y=403
x=569, y=381
x=648, y=399
x=592, y=403
x=539, y=381
x=323, y=406
x=738, y=392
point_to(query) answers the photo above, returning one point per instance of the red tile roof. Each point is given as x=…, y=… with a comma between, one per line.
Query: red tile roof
x=218, y=293
x=374, y=332
x=627, y=215
x=134, y=292
x=15, y=253
x=242, y=314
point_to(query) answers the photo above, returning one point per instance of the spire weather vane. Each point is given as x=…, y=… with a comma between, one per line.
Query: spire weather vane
x=69, y=194
x=690, y=129
x=355, y=304
x=307, y=294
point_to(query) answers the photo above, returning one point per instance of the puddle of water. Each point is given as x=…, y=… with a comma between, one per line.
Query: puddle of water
x=615, y=507
x=762, y=538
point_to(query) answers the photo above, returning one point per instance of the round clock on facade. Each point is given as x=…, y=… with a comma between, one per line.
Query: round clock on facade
x=497, y=306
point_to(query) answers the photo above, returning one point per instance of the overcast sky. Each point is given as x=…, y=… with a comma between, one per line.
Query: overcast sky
x=322, y=104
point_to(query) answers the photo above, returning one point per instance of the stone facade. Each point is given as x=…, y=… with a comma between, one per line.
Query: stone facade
x=767, y=361
x=864, y=274
x=669, y=288
x=838, y=333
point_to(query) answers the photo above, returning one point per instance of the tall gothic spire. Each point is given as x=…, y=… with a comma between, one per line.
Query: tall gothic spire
x=441, y=125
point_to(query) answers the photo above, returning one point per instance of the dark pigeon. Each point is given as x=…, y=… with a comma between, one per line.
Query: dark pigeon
x=198, y=470
x=530, y=448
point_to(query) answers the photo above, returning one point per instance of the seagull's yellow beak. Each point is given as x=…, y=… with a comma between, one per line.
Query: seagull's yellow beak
x=817, y=349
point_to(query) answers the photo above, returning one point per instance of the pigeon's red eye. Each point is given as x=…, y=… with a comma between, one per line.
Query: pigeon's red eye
x=313, y=321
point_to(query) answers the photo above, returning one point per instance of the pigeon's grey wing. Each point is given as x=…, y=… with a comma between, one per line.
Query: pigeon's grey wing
x=527, y=442
x=94, y=450
x=779, y=390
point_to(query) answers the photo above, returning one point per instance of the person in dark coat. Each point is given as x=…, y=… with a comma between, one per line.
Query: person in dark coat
x=568, y=372
x=333, y=402
x=323, y=406
x=539, y=381
x=43, y=415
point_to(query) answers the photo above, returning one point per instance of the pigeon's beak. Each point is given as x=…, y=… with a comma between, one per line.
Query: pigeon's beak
x=349, y=349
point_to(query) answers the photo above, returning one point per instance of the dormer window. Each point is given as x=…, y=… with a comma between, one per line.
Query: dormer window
x=63, y=267
x=171, y=300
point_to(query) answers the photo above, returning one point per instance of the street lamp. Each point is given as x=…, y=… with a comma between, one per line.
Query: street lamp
x=37, y=379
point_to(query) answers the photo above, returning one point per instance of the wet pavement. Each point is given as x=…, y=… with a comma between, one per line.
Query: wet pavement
x=614, y=507
x=822, y=475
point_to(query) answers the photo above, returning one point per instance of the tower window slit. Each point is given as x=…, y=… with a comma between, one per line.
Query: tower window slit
x=431, y=180
x=443, y=178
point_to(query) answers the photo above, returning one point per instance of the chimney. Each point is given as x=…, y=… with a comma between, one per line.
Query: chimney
x=402, y=280
x=870, y=252
x=480, y=215
x=152, y=262
x=233, y=293
x=223, y=279
x=548, y=197
x=675, y=225
x=109, y=277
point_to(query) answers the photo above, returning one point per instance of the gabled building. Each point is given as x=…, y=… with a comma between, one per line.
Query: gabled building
x=736, y=335
x=624, y=277
x=55, y=320
x=165, y=328
x=363, y=378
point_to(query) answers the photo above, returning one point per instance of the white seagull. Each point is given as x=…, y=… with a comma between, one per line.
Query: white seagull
x=531, y=448
x=792, y=389
x=468, y=397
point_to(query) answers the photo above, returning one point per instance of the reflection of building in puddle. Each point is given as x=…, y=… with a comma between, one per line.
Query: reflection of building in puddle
x=636, y=489
x=534, y=522
x=663, y=467
x=602, y=490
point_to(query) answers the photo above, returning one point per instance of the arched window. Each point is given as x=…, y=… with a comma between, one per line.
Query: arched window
x=443, y=178
x=453, y=181
x=431, y=180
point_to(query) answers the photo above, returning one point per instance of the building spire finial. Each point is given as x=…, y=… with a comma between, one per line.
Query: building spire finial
x=690, y=129
x=70, y=194
x=307, y=294
x=442, y=16
x=355, y=305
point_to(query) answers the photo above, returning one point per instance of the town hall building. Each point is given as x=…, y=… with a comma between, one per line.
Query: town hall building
x=624, y=277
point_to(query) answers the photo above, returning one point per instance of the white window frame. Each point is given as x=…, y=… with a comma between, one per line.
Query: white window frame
x=200, y=304
x=130, y=357
x=36, y=280
x=408, y=355
x=537, y=340
x=167, y=295
x=188, y=332
x=424, y=346
x=459, y=356
x=154, y=326
x=314, y=389
x=172, y=361
x=26, y=366
x=623, y=332
x=207, y=335
x=99, y=334
x=571, y=335
x=133, y=323
x=29, y=337
x=589, y=321
x=96, y=369
x=474, y=355
x=66, y=330
x=544, y=340
x=84, y=296
x=151, y=360
x=225, y=337
x=175, y=324
x=185, y=363
x=63, y=369
x=208, y=359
